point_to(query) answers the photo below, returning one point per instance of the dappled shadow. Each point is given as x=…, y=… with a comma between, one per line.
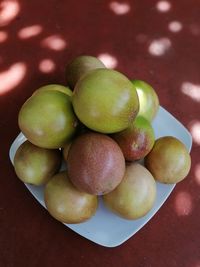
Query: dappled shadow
x=9, y=9
x=108, y=60
x=12, y=77
x=163, y=6
x=194, y=127
x=191, y=90
x=183, y=203
x=30, y=31
x=157, y=41
x=197, y=173
x=119, y=8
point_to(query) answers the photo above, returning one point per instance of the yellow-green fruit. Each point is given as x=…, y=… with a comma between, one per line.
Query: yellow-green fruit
x=55, y=87
x=105, y=101
x=148, y=99
x=66, y=203
x=47, y=119
x=80, y=66
x=169, y=161
x=134, y=197
x=36, y=165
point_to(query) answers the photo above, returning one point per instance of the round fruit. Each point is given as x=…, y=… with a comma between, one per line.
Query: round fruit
x=137, y=140
x=95, y=163
x=135, y=195
x=169, y=161
x=47, y=119
x=35, y=165
x=55, y=87
x=80, y=66
x=105, y=101
x=66, y=203
x=148, y=99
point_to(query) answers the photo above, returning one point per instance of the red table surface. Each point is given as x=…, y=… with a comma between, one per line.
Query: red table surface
x=157, y=41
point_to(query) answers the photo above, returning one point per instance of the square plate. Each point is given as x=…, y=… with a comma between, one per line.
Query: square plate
x=106, y=228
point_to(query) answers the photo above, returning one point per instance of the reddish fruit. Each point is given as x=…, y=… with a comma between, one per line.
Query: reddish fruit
x=137, y=140
x=95, y=163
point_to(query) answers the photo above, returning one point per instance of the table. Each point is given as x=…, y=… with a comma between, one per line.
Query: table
x=156, y=41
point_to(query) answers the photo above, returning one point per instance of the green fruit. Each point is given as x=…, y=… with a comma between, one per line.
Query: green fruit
x=169, y=161
x=80, y=66
x=95, y=163
x=105, y=101
x=148, y=99
x=36, y=165
x=137, y=140
x=135, y=195
x=66, y=203
x=55, y=87
x=47, y=119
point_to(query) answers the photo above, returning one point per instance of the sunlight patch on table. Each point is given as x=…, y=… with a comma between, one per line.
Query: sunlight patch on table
x=12, y=77
x=183, y=204
x=108, y=60
x=163, y=6
x=47, y=65
x=197, y=173
x=54, y=42
x=192, y=90
x=175, y=26
x=194, y=128
x=30, y=31
x=9, y=9
x=3, y=36
x=120, y=8
x=159, y=47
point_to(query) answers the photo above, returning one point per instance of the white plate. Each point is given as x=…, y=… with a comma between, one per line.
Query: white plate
x=105, y=228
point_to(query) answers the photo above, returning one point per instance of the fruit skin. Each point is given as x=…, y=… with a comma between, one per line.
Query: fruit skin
x=80, y=66
x=95, y=163
x=65, y=150
x=135, y=195
x=105, y=101
x=137, y=140
x=35, y=165
x=148, y=99
x=169, y=161
x=47, y=119
x=66, y=203
x=55, y=87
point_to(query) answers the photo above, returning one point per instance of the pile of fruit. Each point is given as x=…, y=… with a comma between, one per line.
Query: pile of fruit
x=101, y=127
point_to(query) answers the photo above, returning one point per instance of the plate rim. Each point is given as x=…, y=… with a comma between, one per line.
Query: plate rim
x=122, y=240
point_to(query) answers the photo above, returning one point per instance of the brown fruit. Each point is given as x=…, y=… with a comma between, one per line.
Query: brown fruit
x=135, y=195
x=169, y=161
x=66, y=203
x=80, y=66
x=35, y=165
x=137, y=140
x=95, y=163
